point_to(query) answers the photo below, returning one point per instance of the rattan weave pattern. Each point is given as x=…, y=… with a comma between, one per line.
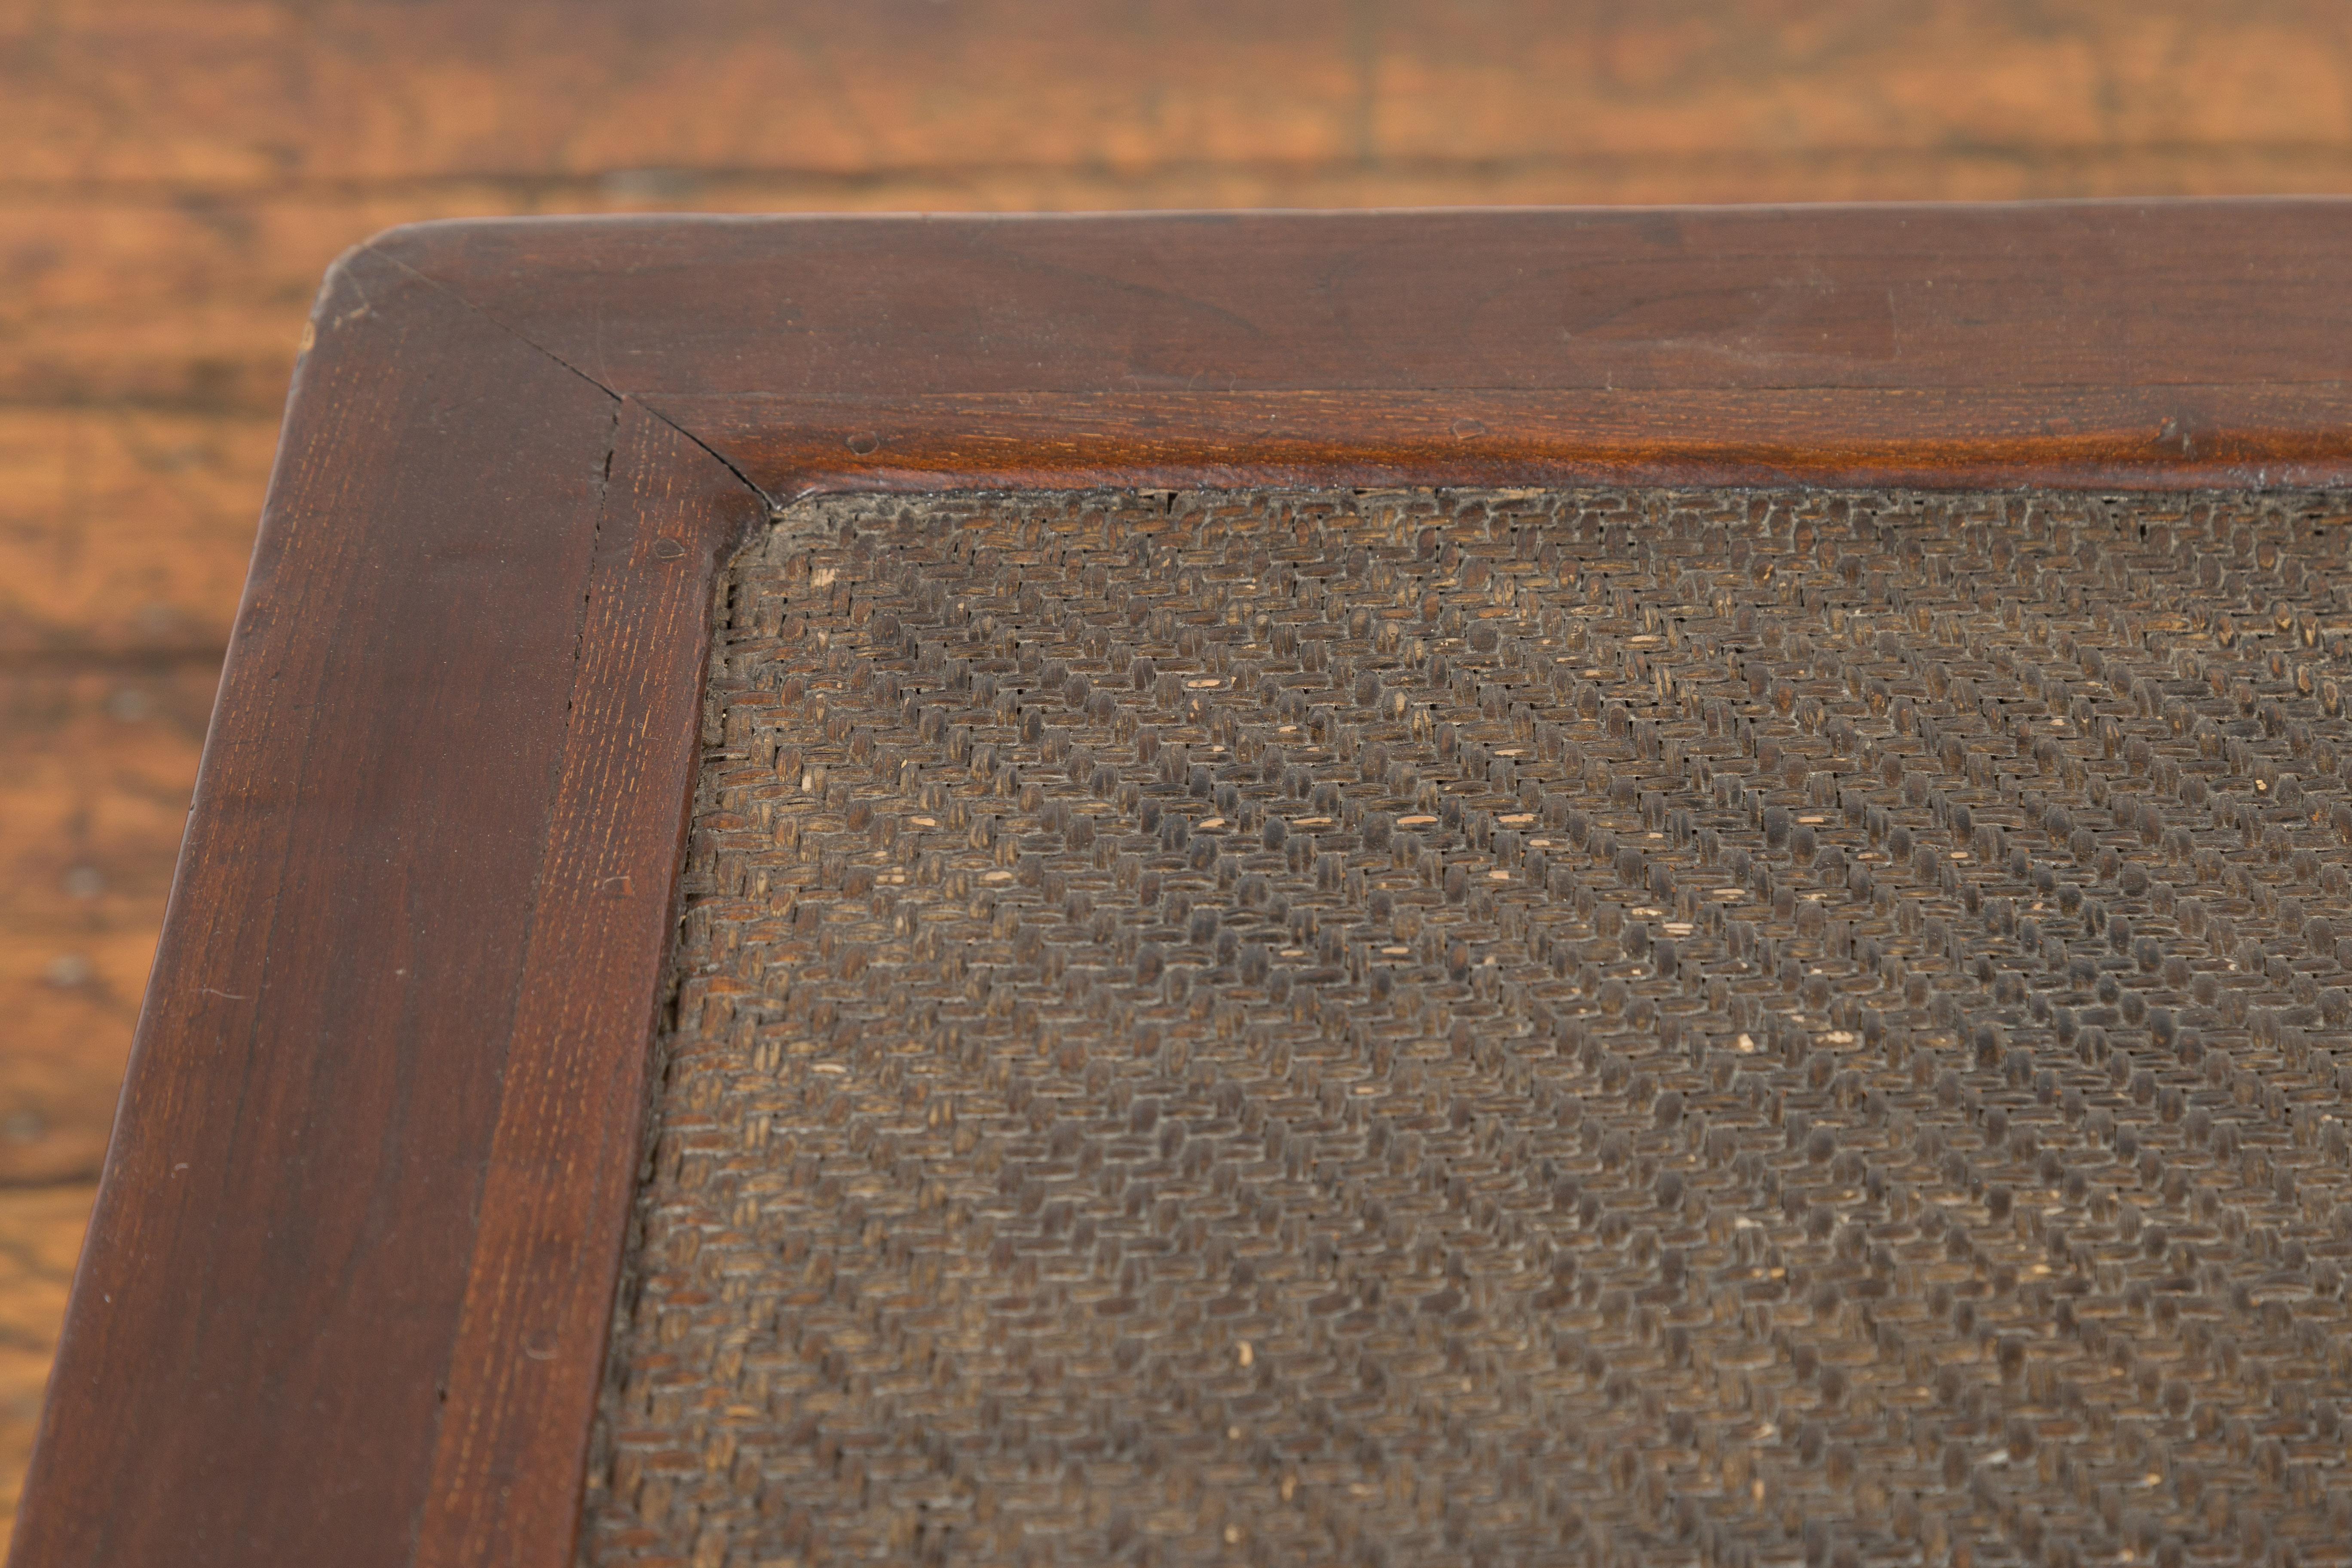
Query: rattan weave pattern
x=1515, y=1028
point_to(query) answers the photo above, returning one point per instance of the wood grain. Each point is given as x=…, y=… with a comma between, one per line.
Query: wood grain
x=2141, y=344
x=2043, y=300
x=276, y=1263
x=191, y=303
x=253, y=94
x=178, y=177
x=2165, y=438
x=347, y=1280
x=562, y=1163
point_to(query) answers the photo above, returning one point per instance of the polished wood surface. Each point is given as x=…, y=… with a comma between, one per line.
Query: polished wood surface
x=379, y=568
x=2114, y=343
x=2029, y=300
x=561, y=1161
x=178, y=176
x=348, y=1281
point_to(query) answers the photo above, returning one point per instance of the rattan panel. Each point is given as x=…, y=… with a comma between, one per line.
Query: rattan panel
x=1585, y=1028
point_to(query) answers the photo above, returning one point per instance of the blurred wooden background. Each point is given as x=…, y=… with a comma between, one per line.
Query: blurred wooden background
x=175, y=177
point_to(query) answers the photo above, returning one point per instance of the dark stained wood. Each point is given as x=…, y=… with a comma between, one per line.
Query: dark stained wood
x=348, y=1281
x=275, y=1272
x=2147, y=344
x=2161, y=438
x=2061, y=299
x=178, y=177
x=538, y=1297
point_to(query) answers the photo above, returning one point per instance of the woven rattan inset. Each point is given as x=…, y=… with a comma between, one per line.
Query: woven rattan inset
x=1411, y=1028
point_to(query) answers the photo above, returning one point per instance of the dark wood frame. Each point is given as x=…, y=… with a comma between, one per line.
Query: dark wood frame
x=346, y=1293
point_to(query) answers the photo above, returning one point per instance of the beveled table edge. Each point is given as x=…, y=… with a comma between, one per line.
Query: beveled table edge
x=348, y=1284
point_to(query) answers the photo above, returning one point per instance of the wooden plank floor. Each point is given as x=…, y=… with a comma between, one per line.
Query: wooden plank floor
x=175, y=177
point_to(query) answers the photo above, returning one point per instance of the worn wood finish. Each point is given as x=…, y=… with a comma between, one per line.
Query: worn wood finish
x=376, y=1146
x=179, y=175
x=94, y=324
x=522, y=1380
x=276, y=1268
x=2163, y=438
x=2057, y=300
